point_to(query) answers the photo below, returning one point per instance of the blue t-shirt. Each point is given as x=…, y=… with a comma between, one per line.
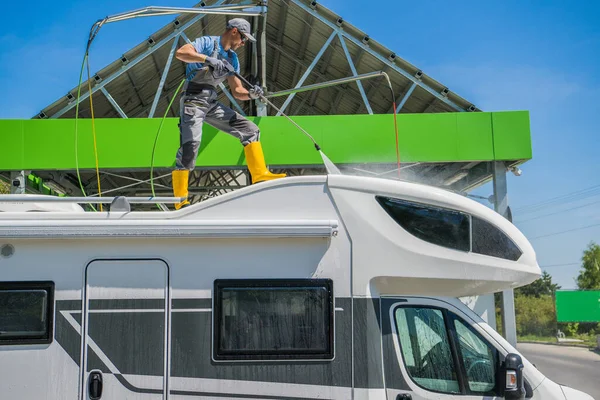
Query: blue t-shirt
x=206, y=45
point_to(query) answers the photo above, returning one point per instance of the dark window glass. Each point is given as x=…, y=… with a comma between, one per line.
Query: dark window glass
x=491, y=241
x=26, y=312
x=479, y=358
x=426, y=348
x=265, y=320
x=439, y=226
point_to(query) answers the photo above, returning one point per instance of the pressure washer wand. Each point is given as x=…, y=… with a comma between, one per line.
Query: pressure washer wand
x=264, y=99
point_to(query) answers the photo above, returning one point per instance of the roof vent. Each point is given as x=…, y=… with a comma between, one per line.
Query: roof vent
x=339, y=21
x=444, y=92
x=313, y=5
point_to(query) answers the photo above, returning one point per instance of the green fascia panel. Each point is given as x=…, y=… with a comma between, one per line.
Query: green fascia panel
x=12, y=148
x=346, y=139
x=512, y=136
x=578, y=306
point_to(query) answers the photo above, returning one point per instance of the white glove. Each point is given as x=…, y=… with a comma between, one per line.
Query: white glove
x=255, y=92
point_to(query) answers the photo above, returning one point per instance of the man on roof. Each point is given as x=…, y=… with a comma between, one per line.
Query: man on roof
x=199, y=104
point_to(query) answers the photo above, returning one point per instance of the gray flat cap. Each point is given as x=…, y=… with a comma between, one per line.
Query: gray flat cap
x=243, y=26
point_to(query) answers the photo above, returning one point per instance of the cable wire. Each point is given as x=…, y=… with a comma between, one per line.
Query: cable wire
x=94, y=131
x=558, y=212
x=565, y=231
x=566, y=198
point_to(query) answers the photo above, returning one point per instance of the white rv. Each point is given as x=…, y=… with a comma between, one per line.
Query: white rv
x=323, y=287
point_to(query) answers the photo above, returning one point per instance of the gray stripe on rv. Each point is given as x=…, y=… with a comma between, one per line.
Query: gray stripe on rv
x=192, y=338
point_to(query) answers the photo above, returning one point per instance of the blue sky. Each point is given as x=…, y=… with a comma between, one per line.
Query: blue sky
x=542, y=56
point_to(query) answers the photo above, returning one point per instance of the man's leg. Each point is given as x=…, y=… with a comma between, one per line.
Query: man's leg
x=192, y=112
x=229, y=121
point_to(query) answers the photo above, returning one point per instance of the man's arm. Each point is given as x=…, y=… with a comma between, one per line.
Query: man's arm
x=187, y=53
x=237, y=89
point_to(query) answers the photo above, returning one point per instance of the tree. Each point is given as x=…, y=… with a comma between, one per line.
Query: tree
x=4, y=189
x=540, y=287
x=589, y=275
x=535, y=315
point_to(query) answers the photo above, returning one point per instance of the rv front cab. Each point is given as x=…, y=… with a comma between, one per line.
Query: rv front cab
x=512, y=370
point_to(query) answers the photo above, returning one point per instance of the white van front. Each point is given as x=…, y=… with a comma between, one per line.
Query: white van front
x=437, y=348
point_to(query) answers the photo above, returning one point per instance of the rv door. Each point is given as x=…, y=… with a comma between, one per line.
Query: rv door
x=126, y=326
x=432, y=351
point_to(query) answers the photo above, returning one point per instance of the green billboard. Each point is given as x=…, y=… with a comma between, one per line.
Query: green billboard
x=578, y=306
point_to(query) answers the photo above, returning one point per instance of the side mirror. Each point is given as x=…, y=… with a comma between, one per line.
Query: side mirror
x=512, y=377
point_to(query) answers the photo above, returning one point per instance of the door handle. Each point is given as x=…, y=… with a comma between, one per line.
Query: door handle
x=404, y=396
x=95, y=385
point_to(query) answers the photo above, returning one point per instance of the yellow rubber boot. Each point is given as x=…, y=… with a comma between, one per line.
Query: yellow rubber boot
x=180, y=186
x=256, y=164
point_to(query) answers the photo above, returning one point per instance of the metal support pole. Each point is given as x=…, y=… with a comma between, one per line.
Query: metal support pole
x=334, y=82
x=261, y=108
x=18, y=182
x=163, y=77
x=112, y=101
x=353, y=69
x=308, y=71
x=509, y=322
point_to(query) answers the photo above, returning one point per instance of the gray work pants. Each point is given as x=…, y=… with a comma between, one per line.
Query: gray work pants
x=198, y=108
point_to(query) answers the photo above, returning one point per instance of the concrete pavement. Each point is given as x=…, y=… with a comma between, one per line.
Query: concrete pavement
x=576, y=367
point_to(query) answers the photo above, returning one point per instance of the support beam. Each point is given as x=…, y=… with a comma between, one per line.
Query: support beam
x=113, y=103
x=353, y=69
x=163, y=77
x=406, y=96
x=509, y=322
x=381, y=58
x=308, y=71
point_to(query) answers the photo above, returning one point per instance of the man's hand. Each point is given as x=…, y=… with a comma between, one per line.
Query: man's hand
x=218, y=65
x=255, y=92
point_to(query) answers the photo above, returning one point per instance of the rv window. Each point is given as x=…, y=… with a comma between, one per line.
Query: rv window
x=444, y=227
x=479, y=358
x=426, y=350
x=489, y=240
x=26, y=312
x=273, y=319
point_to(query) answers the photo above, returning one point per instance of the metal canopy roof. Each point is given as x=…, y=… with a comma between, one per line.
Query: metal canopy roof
x=299, y=38
x=300, y=42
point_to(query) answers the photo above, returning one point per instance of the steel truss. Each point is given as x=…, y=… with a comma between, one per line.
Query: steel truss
x=207, y=183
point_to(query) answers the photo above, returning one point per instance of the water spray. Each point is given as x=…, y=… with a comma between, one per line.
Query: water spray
x=329, y=165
